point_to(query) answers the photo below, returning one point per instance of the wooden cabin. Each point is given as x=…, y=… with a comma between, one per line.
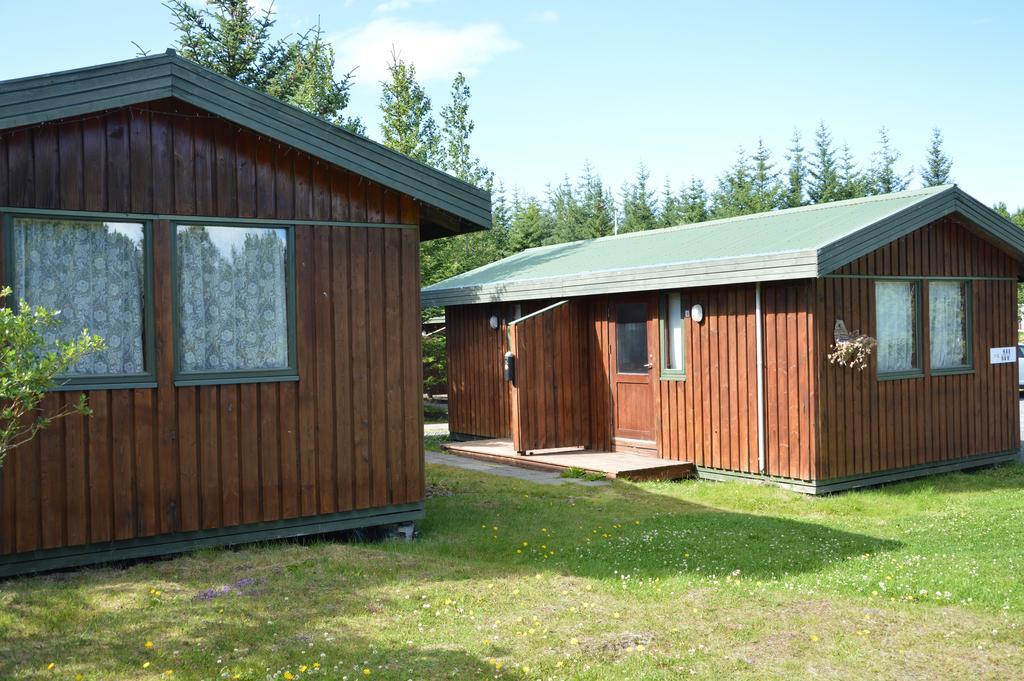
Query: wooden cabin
x=255, y=274
x=709, y=343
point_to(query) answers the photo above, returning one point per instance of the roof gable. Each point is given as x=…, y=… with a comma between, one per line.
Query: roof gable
x=451, y=205
x=787, y=244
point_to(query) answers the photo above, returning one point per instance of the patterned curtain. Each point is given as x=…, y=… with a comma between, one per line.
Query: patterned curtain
x=896, y=314
x=93, y=272
x=232, y=298
x=947, y=327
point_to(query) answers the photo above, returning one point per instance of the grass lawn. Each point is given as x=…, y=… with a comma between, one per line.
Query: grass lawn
x=521, y=581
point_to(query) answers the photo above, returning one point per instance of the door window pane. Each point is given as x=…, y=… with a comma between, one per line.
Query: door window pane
x=631, y=338
x=947, y=324
x=94, y=273
x=897, y=320
x=232, y=298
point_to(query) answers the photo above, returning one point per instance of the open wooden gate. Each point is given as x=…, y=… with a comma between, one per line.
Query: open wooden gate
x=550, y=393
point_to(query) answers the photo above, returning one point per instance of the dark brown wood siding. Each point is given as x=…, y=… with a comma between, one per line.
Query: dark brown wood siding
x=347, y=435
x=867, y=425
x=549, y=399
x=478, y=396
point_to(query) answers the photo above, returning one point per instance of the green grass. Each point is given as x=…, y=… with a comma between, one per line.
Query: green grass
x=574, y=472
x=520, y=581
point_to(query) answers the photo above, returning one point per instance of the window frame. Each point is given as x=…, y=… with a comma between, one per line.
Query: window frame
x=968, y=331
x=80, y=382
x=666, y=374
x=194, y=378
x=918, y=321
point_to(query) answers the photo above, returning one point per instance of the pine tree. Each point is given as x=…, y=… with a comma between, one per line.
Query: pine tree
x=234, y=39
x=639, y=209
x=793, y=194
x=673, y=207
x=852, y=183
x=695, y=202
x=937, y=164
x=883, y=178
x=529, y=224
x=407, y=125
x=456, y=128
x=596, y=205
x=735, y=193
x=823, y=168
x=766, y=191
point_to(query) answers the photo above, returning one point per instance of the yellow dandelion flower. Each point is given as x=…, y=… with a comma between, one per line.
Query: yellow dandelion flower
x=50, y=666
x=640, y=647
x=574, y=641
x=366, y=670
x=559, y=663
x=616, y=615
x=316, y=665
x=157, y=592
x=169, y=673
x=145, y=665
x=288, y=675
x=149, y=644
x=526, y=543
x=526, y=670
x=814, y=637
x=302, y=669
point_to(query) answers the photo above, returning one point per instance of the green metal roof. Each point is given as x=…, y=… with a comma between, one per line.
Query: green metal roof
x=450, y=205
x=786, y=244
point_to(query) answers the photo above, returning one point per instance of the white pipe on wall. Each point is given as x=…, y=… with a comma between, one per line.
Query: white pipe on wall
x=759, y=340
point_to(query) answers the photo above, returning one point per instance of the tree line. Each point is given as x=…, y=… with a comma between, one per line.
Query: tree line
x=233, y=38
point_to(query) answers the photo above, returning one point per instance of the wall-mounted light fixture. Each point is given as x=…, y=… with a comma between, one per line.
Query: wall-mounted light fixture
x=493, y=321
x=697, y=313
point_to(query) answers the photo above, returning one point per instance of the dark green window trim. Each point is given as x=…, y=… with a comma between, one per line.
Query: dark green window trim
x=917, y=372
x=969, y=331
x=146, y=379
x=670, y=374
x=192, y=378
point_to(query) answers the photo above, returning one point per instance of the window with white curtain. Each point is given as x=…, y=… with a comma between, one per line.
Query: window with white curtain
x=233, y=293
x=94, y=272
x=948, y=318
x=897, y=318
x=673, y=350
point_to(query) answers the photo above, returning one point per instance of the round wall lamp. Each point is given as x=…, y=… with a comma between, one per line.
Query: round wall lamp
x=697, y=313
x=493, y=321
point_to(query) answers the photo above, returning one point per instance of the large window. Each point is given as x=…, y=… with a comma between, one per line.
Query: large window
x=95, y=273
x=673, y=342
x=948, y=325
x=897, y=315
x=235, y=303
x=631, y=338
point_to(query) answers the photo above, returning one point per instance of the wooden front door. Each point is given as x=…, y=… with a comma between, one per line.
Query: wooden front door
x=632, y=334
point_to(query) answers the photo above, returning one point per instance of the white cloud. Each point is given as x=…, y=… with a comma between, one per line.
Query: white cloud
x=398, y=5
x=437, y=51
x=548, y=16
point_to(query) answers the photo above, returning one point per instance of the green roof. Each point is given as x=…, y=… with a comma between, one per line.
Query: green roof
x=785, y=244
x=449, y=204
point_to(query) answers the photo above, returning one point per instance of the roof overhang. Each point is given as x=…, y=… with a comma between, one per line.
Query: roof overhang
x=450, y=206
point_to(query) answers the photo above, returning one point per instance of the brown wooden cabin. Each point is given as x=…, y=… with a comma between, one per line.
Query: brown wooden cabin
x=709, y=343
x=255, y=272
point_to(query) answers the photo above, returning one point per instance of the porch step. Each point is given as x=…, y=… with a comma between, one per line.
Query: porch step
x=612, y=465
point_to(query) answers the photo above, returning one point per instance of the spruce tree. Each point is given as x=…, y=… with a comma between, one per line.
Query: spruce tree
x=695, y=202
x=823, y=168
x=234, y=39
x=407, y=124
x=529, y=224
x=596, y=205
x=766, y=191
x=735, y=193
x=673, y=207
x=639, y=209
x=793, y=194
x=852, y=183
x=937, y=164
x=883, y=178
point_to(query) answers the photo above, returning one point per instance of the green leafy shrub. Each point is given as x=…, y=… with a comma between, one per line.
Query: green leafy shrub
x=30, y=366
x=435, y=365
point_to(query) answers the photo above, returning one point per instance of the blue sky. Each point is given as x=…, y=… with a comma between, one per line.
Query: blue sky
x=679, y=86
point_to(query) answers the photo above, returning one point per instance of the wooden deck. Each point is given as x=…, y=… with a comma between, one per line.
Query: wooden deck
x=612, y=464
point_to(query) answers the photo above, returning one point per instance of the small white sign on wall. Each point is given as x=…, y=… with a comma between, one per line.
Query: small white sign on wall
x=1003, y=355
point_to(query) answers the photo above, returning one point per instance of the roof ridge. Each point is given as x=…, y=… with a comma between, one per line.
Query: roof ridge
x=829, y=205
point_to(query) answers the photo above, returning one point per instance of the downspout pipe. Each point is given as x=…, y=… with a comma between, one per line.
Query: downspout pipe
x=759, y=341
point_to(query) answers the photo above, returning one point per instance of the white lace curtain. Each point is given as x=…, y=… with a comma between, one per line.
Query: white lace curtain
x=93, y=272
x=947, y=326
x=232, y=297
x=895, y=315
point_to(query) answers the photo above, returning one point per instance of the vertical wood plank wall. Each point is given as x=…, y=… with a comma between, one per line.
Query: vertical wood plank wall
x=347, y=435
x=550, y=398
x=867, y=425
x=478, y=395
